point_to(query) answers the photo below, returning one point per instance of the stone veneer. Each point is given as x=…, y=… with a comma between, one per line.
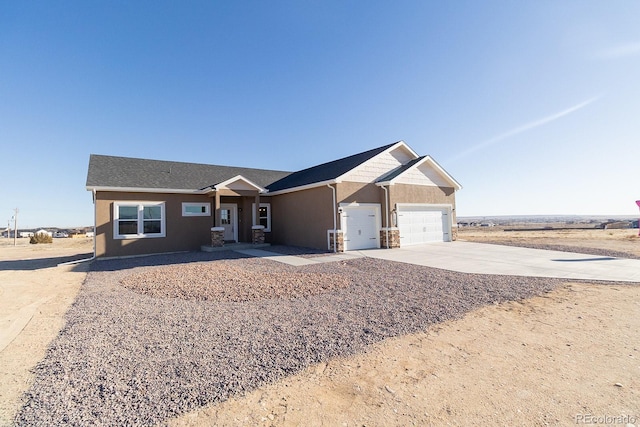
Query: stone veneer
x=394, y=237
x=454, y=233
x=217, y=237
x=258, y=234
x=339, y=242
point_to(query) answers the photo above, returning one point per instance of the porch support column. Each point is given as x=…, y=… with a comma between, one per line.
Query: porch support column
x=256, y=210
x=216, y=218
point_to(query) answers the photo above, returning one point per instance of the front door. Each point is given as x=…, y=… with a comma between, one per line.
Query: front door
x=229, y=220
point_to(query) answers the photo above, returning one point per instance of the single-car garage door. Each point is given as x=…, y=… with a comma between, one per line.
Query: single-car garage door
x=360, y=225
x=423, y=223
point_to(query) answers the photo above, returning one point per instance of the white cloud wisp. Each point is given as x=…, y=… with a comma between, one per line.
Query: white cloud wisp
x=620, y=51
x=524, y=128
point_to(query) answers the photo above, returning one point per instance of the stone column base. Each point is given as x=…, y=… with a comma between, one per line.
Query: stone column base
x=258, y=234
x=394, y=237
x=217, y=237
x=454, y=233
x=339, y=240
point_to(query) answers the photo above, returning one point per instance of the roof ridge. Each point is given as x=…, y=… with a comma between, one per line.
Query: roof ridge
x=326, y=171
x=384, y=147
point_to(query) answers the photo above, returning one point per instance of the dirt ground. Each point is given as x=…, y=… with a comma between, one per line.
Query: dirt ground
x=624, y=240
x=557, y=359
x=545, y=361
x=34, y=295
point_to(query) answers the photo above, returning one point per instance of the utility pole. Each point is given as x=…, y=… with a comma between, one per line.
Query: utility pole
x=638, y=203
x=15, y=225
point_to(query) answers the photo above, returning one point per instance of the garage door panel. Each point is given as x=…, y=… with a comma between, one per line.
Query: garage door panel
x=422, y=224
x=360, y=227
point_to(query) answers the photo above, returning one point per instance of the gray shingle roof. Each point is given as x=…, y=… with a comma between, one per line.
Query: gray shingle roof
x=125, y=172
x=325, y=171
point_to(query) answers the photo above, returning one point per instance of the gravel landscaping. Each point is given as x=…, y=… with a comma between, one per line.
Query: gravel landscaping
x=150, y=338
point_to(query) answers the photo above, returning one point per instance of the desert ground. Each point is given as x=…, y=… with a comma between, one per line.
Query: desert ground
x=624, y=241
x=34, y=296
x=566, y=357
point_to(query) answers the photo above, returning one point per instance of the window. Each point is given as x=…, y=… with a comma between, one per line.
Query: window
x=264, y=215
x=196, y=209
x=133, y=220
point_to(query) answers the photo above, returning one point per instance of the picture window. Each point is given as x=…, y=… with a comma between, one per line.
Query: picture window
x=136, y=220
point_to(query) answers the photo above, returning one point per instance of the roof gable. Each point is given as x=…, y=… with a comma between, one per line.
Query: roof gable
x=420, y=171
x=238, y=182
x=393, y=157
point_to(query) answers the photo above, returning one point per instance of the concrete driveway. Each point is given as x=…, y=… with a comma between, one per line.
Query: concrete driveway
x=483, y=258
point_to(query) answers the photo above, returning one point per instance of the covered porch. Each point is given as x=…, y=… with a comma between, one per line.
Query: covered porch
x=239, y=214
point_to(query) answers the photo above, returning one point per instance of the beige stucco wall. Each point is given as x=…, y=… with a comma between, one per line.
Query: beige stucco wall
x=182, y=233
x=357, y=192
x=405, y=193
x=302, y=218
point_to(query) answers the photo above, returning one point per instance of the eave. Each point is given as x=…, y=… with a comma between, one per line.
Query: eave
x=146, y=190
x=303, y=187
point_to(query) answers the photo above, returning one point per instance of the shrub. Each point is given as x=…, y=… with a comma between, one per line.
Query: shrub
x=40, y=238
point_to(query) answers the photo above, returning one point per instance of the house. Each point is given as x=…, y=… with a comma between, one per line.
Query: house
x=385, y=197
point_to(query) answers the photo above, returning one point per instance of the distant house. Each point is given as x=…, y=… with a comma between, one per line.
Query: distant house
x=613, y=225
x=43, y=231
x=385, y=197
x=26, y=234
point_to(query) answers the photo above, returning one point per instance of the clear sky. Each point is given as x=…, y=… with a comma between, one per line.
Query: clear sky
x=533, y=106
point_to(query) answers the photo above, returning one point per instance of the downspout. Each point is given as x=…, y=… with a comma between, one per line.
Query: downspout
x=95, y=215
x=335, y=237
x=386, y=213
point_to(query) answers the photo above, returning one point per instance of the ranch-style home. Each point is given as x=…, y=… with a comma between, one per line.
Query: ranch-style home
x=387, y=197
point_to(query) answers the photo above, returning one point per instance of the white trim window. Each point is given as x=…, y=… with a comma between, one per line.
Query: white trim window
x=196, y=209
x=264, y=213
x=138, y=220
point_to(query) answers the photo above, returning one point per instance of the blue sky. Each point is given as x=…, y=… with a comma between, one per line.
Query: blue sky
x=533, y=106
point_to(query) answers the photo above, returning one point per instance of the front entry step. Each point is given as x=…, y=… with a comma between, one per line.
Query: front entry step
x=233, y=247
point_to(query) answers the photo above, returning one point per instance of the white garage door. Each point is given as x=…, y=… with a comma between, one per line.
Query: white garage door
x=360, y=227
x=422, y=224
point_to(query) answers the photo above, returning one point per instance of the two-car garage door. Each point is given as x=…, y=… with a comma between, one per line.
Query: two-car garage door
x=423, y=223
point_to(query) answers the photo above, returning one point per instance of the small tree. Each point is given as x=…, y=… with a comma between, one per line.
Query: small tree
x=41, y=238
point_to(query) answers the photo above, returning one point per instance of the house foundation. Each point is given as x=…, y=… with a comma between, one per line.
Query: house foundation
x=336, y=239
x=258, y=234
x=393, y=234
x=217, y=237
